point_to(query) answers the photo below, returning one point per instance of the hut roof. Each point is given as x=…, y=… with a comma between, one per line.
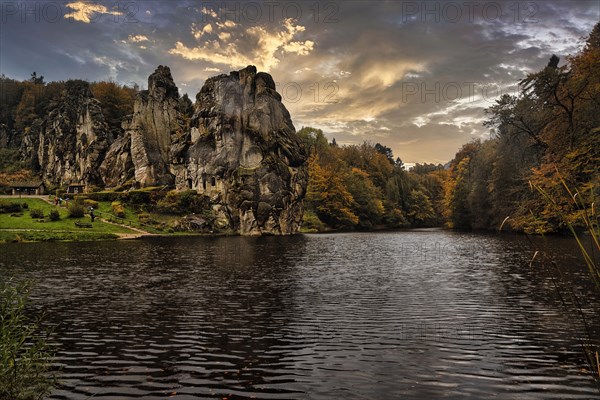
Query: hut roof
x=26, y=184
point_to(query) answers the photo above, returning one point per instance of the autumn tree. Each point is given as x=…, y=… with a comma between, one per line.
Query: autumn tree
x=367, y=198
x=327, y=195
x=420, y=208
x=116, y=102
x=25, y=112
x=545, y=138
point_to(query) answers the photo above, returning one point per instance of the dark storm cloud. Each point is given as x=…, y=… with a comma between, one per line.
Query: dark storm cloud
x=413, y=75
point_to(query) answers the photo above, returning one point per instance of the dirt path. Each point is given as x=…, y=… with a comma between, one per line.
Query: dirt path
x=140, y=232
x=43, y=197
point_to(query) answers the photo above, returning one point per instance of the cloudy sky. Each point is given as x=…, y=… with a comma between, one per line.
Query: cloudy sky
x=413, y=75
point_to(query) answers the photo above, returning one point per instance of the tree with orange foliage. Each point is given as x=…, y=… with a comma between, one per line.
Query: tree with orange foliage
x=116, y=102
x=328, y=196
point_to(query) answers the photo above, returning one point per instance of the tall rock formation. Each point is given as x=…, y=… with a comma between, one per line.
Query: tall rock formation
x=239, y=148
x=143, y=153
x=154, y=121
x=69, y=145
x=245, y=155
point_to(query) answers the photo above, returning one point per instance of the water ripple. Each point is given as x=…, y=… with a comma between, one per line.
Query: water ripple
x=411, y=315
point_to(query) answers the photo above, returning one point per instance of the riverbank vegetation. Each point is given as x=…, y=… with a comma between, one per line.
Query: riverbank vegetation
x=25, y=354
x=155, y=209
x=546, y=139
x=570, y=294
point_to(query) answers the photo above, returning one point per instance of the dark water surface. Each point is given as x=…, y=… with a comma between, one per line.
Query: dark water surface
x=398, y=315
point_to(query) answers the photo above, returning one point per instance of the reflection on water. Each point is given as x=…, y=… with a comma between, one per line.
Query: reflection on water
x=419, y=314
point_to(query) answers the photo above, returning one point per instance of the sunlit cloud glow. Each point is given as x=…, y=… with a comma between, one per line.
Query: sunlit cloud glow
x=86, y=12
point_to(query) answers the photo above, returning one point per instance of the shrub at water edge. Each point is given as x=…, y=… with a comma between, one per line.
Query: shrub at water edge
x=25, y=355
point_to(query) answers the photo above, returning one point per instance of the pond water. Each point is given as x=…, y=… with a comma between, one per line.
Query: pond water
x=388, y=315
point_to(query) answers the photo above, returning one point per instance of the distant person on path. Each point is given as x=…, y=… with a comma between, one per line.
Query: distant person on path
x=92, y=216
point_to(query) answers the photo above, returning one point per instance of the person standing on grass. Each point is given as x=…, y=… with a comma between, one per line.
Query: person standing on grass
x=92, y=216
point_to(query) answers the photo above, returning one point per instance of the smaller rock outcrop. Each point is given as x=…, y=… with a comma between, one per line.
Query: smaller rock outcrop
x=69, y=145
x=117, y=167
x=153, y=123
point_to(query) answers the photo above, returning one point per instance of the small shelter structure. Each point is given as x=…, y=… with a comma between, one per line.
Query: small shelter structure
x=28, y=188
x=75, y=188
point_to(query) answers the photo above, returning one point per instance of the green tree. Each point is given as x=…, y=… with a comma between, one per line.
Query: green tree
x=37, y=80
x=421, y=209
x=479, y=199
x=185, y=106
x=314, y=140
x=10, y=96
x=386, y=151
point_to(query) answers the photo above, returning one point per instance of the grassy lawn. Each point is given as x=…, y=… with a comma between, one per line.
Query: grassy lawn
x=31, y=229
x=131, y=217
x=52, y=236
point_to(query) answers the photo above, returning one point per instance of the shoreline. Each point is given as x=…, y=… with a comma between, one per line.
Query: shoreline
x=23, y=229
x=141, y=236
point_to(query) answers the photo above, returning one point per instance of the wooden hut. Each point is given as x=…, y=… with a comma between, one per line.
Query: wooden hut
x=75, y=188
x=28, y=188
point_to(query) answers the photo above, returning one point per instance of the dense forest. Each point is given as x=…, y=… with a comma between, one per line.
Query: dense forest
x=363, y=187
x=541, y=168
x=538, y=171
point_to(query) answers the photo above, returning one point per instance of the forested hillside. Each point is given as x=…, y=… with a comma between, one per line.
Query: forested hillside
x=538, y=172
x=26, y=105
x=545, y=140
x=363, y=187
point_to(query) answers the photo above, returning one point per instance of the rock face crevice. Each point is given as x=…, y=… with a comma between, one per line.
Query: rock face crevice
x=117, y=167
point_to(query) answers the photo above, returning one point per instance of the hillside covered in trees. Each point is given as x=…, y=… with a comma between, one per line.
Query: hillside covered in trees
x=538, y=172
x=363, y=187
x=27, y=104
x=541, y=168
